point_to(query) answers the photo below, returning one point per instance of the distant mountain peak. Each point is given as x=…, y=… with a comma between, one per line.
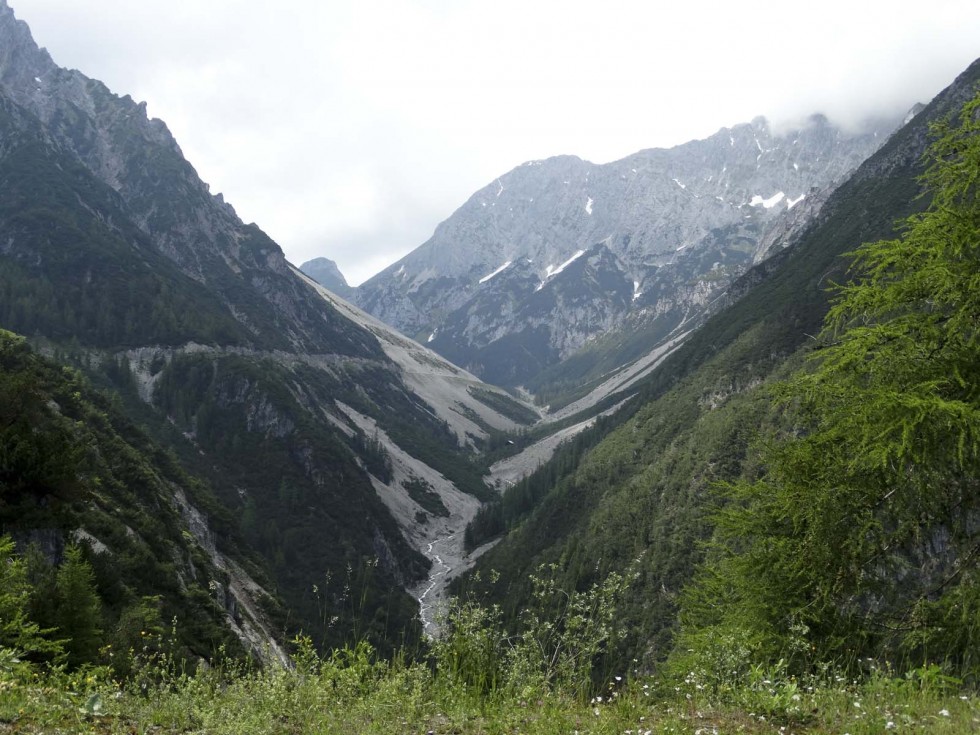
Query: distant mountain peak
x=325, y=272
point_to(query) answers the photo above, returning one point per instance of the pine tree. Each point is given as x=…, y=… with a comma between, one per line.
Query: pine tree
x=79, y=609
x=17, y=630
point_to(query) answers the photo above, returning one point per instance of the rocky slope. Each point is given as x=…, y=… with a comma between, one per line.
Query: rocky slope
x=557, y=252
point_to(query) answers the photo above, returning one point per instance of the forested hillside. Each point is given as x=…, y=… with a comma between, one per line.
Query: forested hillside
x=100, y=514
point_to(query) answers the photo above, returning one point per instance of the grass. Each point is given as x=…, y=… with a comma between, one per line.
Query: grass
x=351, y=692
x=476, y=679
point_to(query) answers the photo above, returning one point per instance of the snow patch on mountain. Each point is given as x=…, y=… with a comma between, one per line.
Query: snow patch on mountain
x=769, y=203
x=553, y=271
x=501, y=269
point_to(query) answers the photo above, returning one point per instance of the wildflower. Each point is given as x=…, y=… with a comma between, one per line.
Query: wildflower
x=944, y=713
x=889, y=725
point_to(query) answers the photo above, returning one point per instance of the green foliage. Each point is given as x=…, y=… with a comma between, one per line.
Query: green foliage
x=564, y=634
x=587, y=368
x=101, y=280
x=374, y=455
x=557, y=643
x=119, y=490
x=472, y=648
x=78, y=612
x=504, y=406
x=17, y=631
x=40, y=455
x=422, y=493
x=862, y=535
x=138, y=633
x=516, y=502
x=351, y=690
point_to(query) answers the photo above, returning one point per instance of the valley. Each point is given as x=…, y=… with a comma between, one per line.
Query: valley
x=699, y=424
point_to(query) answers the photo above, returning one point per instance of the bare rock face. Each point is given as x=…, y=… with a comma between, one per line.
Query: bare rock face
x=557, y=252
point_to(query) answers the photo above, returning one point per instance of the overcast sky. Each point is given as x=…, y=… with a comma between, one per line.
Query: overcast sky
x=350, y=128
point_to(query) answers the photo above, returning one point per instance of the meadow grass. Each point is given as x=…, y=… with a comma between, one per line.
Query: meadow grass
x=350, y=691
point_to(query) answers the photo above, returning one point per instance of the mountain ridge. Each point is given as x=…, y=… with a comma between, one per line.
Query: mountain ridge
x=678, y=224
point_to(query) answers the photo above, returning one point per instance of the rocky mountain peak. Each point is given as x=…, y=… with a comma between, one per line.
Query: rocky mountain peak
x=33, y=80
x=325, y=272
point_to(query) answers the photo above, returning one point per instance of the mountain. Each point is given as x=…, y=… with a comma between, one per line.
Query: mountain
x=555, y=254
x=335, y=451
x=639, y=487
x=325, y=272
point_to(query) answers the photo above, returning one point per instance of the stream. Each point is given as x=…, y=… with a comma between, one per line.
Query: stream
x=449, y=559
x=436, y=584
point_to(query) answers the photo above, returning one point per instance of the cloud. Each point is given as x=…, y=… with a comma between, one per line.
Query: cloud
x=350, y=129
